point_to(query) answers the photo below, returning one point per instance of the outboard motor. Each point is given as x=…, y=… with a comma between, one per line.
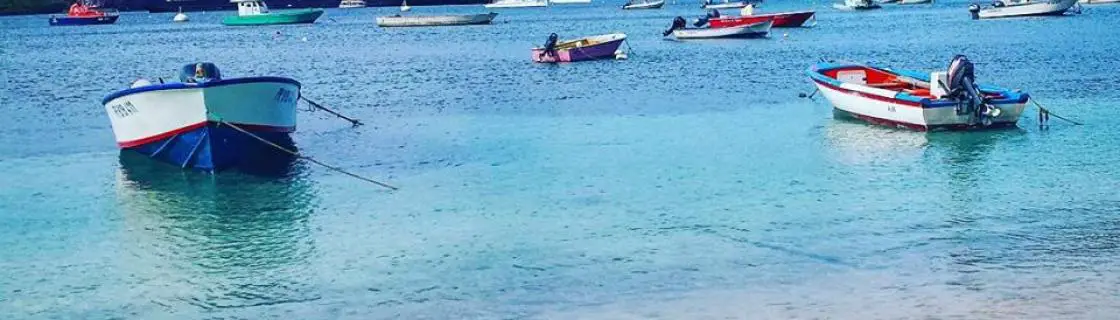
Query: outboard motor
x=708, y=17
x=550, y=44
x=962, y=87
x=678, y=23
x=201, y=72
x=974, y=10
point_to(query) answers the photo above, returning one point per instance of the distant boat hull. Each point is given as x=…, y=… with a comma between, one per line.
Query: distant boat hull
x=781, y=20
x=516, y=4
x=182, y=123
x=569, y=1
x=443, y=20
x=729, y=5
x=756, y=30
x=582, y=49
x=647, y=5
x=906, y=2
x=277, y=17
x=909, y=109
x=873, y=6
x=1047, y=8
x=82, y=21
x=1098, y=1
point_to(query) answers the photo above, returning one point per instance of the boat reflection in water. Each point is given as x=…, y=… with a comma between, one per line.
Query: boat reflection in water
x=203, y=241
x=854, y=142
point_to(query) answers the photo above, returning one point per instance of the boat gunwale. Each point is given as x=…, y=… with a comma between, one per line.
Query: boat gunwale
x=183, y=85
x=816, y=73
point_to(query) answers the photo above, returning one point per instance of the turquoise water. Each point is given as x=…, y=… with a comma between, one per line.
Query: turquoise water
x=686, y=182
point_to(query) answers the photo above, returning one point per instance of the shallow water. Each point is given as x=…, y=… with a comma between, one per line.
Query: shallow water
x=686, y=182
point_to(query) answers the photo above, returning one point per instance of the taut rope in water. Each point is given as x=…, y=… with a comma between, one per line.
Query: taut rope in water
x=1048, y=114
x=296, y=154
x=353, y=122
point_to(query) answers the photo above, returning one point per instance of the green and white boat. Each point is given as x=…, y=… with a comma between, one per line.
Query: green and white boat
x=255, y=13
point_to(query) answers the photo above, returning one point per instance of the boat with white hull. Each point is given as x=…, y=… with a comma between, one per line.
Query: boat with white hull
x=188, y=123
x=753, y=30
x=856, y=5
x=643, y=4
x=517, y=4
x=1007, y=9
x=441, y=20
x=909, y=99
x=569, y=1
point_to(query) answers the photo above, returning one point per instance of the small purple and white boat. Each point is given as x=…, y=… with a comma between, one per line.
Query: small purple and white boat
x=582, y=49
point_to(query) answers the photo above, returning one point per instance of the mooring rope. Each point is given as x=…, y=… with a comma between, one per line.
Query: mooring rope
x=296, y=154
x=353, y=122
x=1048, y=113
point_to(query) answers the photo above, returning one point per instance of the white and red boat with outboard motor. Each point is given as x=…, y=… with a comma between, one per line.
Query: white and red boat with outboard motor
x=780, y=19
x=917, y=100
x=205, y=122
x=702, y=30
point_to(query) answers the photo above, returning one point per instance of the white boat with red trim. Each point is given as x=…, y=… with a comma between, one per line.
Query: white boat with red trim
x=917, y=100
x=681, y=31
x=187, y=123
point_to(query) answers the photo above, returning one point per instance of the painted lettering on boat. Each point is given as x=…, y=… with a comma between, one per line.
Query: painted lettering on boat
x=285, y=96
x=890, y=108
x=124, y=110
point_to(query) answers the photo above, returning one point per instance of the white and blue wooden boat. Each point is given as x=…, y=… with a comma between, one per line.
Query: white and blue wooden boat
x=917, y=100
x=187, y=123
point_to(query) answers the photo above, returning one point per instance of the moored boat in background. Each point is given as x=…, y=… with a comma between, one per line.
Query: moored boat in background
x=1098, y=1
x=350, y=4
x=582, y=49
x=1021, y=8
x=81, y=14
x=517, y=4
x=191, y=123
x=726, y=4
x=255, y=13
x=917, y=100
x=643, y=4
x=857, y=5
x=780, y=19
x=681, y=31
x=439, y=20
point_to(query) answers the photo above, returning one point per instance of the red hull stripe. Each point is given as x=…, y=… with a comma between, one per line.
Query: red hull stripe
x=870, y=96
x=195, y=126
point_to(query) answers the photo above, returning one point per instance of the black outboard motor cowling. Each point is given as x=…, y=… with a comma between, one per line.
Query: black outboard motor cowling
x=962, y=87
x=201, y=72
x=678, y=23
x=550, y=44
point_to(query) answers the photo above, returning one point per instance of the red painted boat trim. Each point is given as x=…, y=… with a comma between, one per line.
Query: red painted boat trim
x=195, y=126
x=870, y=96
x=781, y=19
